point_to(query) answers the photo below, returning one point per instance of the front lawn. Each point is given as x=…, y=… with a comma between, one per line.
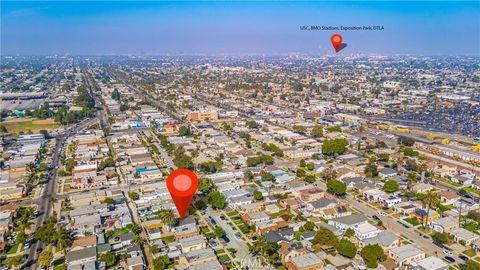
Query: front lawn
x=470, y=252
x=412, y=221
x=12, y=249
x=168, y=239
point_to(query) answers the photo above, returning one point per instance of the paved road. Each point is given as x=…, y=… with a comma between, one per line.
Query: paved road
x=243, y=255
x=44, y=201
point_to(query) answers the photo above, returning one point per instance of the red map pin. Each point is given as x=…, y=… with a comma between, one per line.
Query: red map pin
x=336, y=42
x=182, y=184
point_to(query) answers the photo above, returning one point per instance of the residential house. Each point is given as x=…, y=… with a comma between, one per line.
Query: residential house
x=448, y=198
x=308, y=261
x=348, y=222
x=406, y=254
x=81, y=256
x=444, y=225
x=385, y=239
x=464, y=236
x=365, y=230
x=429, y=263
x=387, y=173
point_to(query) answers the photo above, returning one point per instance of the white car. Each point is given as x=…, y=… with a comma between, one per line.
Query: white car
x=447, y=252
x=382, y=213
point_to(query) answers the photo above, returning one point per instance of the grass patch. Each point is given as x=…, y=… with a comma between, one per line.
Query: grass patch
x=232, y=214
x=168, y=239
x=472, y=190
x=470, y=252
x=220, y=251
x=120, y=232
x=24, y=125
x=12, y=249
x=412, y=221
x=223, y=258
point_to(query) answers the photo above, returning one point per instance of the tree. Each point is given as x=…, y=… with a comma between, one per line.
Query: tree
x=45, y=258
x=133, y=195
x=13, y=261
x=266, y=176
x=3, y=129
x=300, y=129
x=184, y=131
x=391, y=186
x=252, y=124
x=371, y=169
x=62, y=239
x=334, y=147
x=300, y=173
x=258, y=195
x=168, y=217
x=218, y=231
x=317, y=131
x=302, y=163
x=349, y=233
x=109, y=258
x=429, y=200
x=310, y=166
x=372, y=254
x=310, y=178
x=138, y=240
x=216, y=199
x=441, y=238
x=325, y=237
x=309, y=226
x=205, y=185
x=161, y=263
x=133, y=227
x=247, y=174
x=336, y=187
x=406, y=141
x=346, y=248
x=116, y=95
x=109, y=201
x=384, y=157
x=109, y=162
x=472, y=265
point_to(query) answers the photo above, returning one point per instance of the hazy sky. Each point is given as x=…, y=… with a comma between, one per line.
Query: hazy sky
x=106, y=28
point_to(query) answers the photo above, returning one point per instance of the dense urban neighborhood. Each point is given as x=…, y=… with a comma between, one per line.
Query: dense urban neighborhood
x=304, y=162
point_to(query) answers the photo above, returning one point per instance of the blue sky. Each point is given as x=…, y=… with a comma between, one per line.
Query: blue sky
x=159, y=28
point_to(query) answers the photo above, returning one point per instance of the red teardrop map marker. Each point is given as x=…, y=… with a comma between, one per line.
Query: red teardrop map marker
x=336, y=42
x=182, y=184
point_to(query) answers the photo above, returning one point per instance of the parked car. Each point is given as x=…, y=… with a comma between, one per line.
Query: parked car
x=447, y=252
x=450, y=259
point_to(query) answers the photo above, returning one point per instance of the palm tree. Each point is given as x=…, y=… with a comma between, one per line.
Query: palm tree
x=63, y=239
x=429, y=200
x=168, y=217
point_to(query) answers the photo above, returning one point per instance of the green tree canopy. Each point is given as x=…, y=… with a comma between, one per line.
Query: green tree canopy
x=109, y=258
x=216, y=199
x=205, y=185
x=325, y=237
x=336, y=187
x=335, y=146
x=346, y=248
x=372, y=254
x=133, y=195
x=317, y=131
x=45, y=258
x=391, y=186
x=161, y=263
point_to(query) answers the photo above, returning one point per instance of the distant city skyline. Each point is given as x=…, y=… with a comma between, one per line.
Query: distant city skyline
x=237, y=28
